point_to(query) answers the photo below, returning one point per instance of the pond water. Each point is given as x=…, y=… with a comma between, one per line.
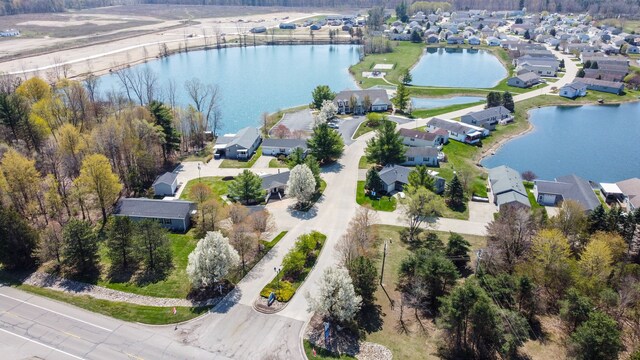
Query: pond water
x=433, y=103
x=599, y=143
x=255, y=80
x=466, y=68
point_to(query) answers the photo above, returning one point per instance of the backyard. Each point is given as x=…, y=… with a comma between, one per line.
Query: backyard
x=380, y=203
x=217, y=184
x=241, y=164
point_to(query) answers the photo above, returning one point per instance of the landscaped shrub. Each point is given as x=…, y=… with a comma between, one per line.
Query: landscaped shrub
x=293, y=264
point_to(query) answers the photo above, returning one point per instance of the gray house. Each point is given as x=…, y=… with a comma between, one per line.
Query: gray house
x=524, y=80
x=507, y=188
x=362, y=101
x=488, y=118
x=277, y=147
x=239, y=146
x=604, y=86
x=166, y=184
x=421, y=156
x=174, y=215
x=395, y=177
x=275, y=184
x=569, y=187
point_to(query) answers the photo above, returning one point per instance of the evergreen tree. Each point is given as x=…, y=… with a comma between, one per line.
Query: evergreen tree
x=597, y=220
x=587, y=64
x=401, y=100
x=401, y=12
x=527, y=35
x=580, y=73
x=320, y=94
x=406, y=77
x=386, y=147
x=507, y=101
x=153, y=246
x=373, y=181
x=314, y=166
x=419, y=177
x=433, y=243
x=296, y=157
x=494, y=99
x=119, y=242
x=325, y=143
x=594, y=65
x=562, y=64
x=598, y=338
x=455, y=193
x=246, y=188
x=364, y=275
x=415, y=37
x=163, y=118
x=575, y=309
x=80, y=247
x=18, y=241
x=458, y=251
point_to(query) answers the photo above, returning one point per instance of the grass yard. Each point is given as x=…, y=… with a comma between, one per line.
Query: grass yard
x=405, y=54
x=275, y=163
x=237, y=164
x=205, y=155
x=322, y=354
x=425, y=113
x=532, y=199
x=460, y=159
x=176, y=284
x=420, y=342
x=363, y=163
x=365, y=128
x=215, y=183
x=153, y=315
x=384, y=203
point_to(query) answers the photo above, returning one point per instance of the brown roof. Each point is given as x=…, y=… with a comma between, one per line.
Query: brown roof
x=631, y=188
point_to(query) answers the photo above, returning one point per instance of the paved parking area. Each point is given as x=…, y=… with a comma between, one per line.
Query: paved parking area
x=299, y=120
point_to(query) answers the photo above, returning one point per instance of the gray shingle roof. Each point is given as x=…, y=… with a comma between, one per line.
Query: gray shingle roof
x=275, y=180
x=485, y=114
x=570, y=187
x=528, y=76
x=377, y=96
x=392, y=173
x=285, y=143
x=507, y=187
x=166, y=178
x=417, y=134
x=151, y=208
x=453, y=126
x=245, y=137
x=427, y=152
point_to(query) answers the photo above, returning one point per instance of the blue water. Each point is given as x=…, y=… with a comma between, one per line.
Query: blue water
x=599, y=143
x=432, y=103
x=255, y=80
x=465, y=68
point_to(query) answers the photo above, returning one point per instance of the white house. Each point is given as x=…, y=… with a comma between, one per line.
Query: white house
x=166, y=184
x=275, y=147
x=421, y=156
x=457, y=130
x=411, y=137
x=493, y=41
x=573, y=90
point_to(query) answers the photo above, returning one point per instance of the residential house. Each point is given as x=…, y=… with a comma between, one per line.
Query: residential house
x=362, y=101
x=395, y=177
x=493, y=41
x=174, y=215
x=569, y=187
x=240, y=146
x=573, y=90
x=275, y=147
x=457, y=130
x=315, y=26
x=166, y=184
x=275, y=185
x=258, y=30
x=287, y=26
x=417, y=138
x=421, y=156
x=603, y=85
x=507, y=188
x=9, y=33
x=524, y=80
x=455, y=40
x=542, y=70
x=432, y=39
x=473, y=40
x=488, y=118
x=630, y=188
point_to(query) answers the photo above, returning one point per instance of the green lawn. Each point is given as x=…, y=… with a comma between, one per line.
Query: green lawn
x=175, y=285
x=203, y=155
x=418, y=342
x=215, y=183
x=365, y=128
x=532, y=199
x=237, y=164
x=385, y=203
x=460, y=158
x=275, y=163
x=425, y=113
x=599, y=195
x=404, y=56
x=363, y=163
x=322, y=354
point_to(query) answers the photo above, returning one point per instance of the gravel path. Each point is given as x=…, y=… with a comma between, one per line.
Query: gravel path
x=79, y=288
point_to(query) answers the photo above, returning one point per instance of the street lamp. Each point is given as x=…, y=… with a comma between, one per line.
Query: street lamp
x=199, y=171
x=277, y=271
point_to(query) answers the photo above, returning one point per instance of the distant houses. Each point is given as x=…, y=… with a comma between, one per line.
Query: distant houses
x=174, y=215
x=488, y=118
x=287, y=26
x=459, y=131
x=9, y=33
x=359, y=102
x=507, y=188
x=569, y=187
x=239, y=146
x=525, y=80
x=258, y=30
x=625, y=193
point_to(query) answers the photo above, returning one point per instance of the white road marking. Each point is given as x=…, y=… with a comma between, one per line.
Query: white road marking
x=55, y=312
x=41, y=344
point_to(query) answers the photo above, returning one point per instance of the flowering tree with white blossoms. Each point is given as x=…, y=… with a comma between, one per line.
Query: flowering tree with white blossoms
x=301, y=184
x=211, y=260
x=328, y=111
x=336, y=296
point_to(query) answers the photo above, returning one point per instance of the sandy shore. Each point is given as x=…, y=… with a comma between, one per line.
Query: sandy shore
x=99, y=58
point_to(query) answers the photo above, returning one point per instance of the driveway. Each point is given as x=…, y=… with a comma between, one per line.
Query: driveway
x=299, y=120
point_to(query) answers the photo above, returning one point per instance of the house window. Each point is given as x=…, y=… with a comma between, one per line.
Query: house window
x=282, y=150
x=412, y=139
x=411, y=158
x=166, y=221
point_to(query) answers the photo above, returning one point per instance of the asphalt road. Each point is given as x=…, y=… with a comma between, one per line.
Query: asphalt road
x=35, y=327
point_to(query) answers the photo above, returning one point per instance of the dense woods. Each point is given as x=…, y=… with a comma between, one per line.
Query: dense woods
x=602, y=7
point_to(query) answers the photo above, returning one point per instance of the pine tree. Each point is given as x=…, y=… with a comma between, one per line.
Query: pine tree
x=119, y=242
x=493, y=99
x=364, y=275
x=507, y=101
x=373, y=181
x=246, y=188
x=163, y=118
x=80, y=247
x=386, y=147
x=455, y=193
x=406, y=77
x=401, y=100
x=320, y=94
x=458, y=251
x=18, y=241
x=325, y=143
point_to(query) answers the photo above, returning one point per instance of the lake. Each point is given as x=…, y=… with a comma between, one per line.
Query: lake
x=466, y=68
x=596, y=142
x=254, y=80
x=433, y=103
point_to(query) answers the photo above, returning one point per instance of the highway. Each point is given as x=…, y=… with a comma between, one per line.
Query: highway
x=35, y=327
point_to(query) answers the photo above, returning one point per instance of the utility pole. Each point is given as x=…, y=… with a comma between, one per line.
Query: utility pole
x=384, y=257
